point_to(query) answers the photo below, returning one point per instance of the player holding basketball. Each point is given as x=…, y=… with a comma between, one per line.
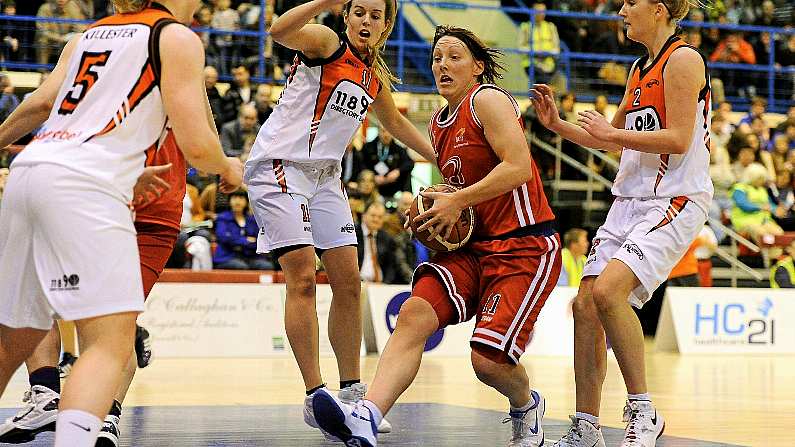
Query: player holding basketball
x=662, y=190
x=67, y=241
x=502, y=277
x=293, y=174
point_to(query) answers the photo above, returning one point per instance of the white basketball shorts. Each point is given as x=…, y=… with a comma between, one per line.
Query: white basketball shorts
x=650, y=236
x=67, y=249
x=299, y=203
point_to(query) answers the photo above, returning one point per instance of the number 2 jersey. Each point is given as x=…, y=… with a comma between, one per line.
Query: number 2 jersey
x=644, y=175
x=322, y=106
x=109, y=110
x=465, y=157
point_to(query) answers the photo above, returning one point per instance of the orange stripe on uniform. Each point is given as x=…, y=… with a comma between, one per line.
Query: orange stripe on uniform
x=677, y=205
x=281, y=178
x=143, y=86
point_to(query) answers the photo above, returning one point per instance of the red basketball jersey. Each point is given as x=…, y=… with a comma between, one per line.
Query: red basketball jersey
x=167, y=209
x=465, y=157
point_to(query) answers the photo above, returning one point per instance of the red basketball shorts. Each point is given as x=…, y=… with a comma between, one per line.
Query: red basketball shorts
x=155, y=244
x=503, y=284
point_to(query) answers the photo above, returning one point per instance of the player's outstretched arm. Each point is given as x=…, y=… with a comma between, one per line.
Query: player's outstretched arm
x=184, y=97
x=684, y=79
x=35, y=109
x=543, y=99
x=400, y=127
x=293, y=30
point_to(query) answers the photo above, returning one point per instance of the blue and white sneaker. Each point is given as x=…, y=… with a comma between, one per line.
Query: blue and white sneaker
x=309, y=418
x=526, y=425
x=354, y=425
x=355, y=393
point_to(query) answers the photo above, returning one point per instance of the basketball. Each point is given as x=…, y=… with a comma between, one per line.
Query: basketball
x=461, y=232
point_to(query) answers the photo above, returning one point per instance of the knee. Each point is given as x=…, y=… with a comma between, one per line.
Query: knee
x=603, y=295
x=303, y=285
x=417, y=317
x=584, y=309
x=487, y=370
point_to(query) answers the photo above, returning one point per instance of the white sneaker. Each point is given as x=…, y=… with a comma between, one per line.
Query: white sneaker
x=309, y=418
x=355, y=393
x=581, y=434
x=644, y=424
x=526, y=425
x=37, y=415
x=352, y=424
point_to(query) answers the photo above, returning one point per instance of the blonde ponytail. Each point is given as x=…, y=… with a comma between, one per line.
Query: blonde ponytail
x=125, y=6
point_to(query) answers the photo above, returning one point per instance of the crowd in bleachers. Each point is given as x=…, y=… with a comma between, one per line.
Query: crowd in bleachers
x=749, y=155
x=728, y=46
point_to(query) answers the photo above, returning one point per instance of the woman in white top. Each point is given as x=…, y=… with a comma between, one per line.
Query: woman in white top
x=293, y=173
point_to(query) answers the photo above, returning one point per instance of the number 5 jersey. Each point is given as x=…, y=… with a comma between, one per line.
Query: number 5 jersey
x=108, y=111
x=322, y=106
x=644, y=175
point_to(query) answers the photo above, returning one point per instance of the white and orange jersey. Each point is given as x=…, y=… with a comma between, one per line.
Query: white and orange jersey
x=109, y=109
x=645, y=175
x=465, y=157
x=322, y=106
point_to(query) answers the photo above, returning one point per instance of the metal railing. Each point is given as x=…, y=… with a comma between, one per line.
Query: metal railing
x=734, y=238
x=404, y=47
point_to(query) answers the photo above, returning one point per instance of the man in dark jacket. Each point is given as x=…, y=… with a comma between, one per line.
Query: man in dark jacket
x=237, y=136
x=377, y=250
x=390, y=162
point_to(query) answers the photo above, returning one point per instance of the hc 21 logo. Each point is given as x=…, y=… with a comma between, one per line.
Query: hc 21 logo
x=735, y=319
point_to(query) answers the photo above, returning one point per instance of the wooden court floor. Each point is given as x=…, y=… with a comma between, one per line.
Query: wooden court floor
x=740, y=400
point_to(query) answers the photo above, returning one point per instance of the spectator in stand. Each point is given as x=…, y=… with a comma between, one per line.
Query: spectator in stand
x=234, y=134
x=352, y=165
x=757, y=110
x=213, y=95
x=745, y=158
x=720, y=132
x=768, y=16
x=204, y=19
x=376, y=249
x=734, y=50
x=10, y=34
x=236, y=233
x=782, y=274
x=390, y=162
x=781, y=154
x=789, y=121
x=720, y=170
x=240, y=92
x=575, y=243
x=8, y=100
x=752, y=211
x=762, y=132
x=263, y=100
x=785, y=57
x=545, y=39
x=411, y=252
x=52, y=36
x=782, y=194
x=226, y=19
x=600, y=105
x=365, y=194
x=567, y=103
x=762, y=48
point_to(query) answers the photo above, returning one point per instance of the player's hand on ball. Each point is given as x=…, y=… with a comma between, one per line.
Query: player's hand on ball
x=442, y=216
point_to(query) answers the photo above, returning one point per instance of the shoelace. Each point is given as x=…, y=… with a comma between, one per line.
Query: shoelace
x=632, y=417
x=517, y=426
x=574, y=435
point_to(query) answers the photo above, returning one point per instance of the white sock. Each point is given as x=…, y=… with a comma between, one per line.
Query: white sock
x=526, y=407
x=643, y=396
x=376, y=412
x=594, y=420
x=76, y=428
